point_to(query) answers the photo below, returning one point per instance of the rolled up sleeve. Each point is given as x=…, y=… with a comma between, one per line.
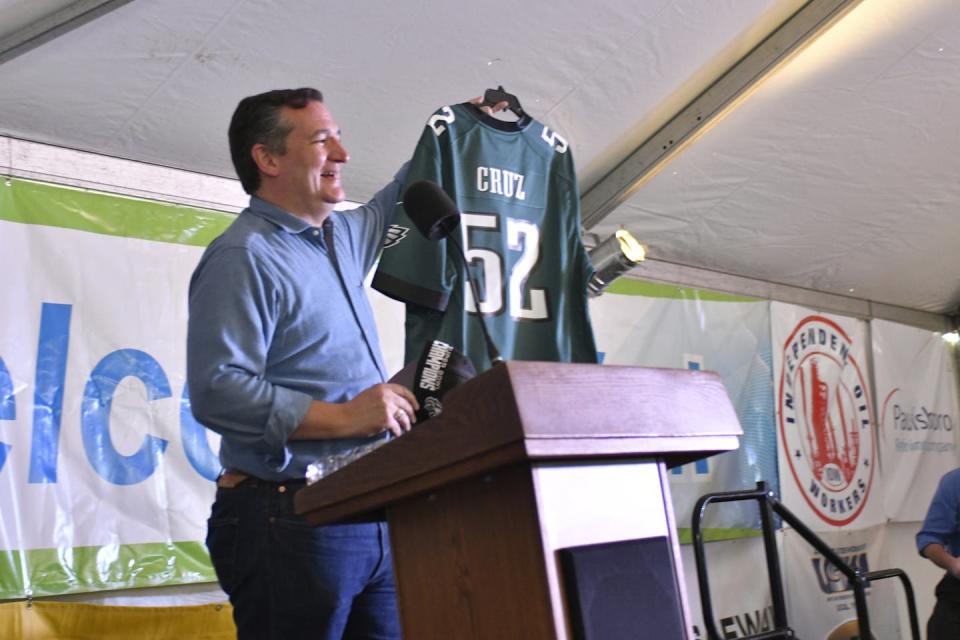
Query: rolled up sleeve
x=234, y=305
x=941, y=526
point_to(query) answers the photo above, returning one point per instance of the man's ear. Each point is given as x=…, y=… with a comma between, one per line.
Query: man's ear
x=266, y=160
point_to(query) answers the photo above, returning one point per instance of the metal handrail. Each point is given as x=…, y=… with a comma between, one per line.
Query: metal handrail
x=882, y=574
x=770, y=505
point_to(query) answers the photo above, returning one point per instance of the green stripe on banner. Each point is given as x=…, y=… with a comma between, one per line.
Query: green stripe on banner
x=685, y=535
x=631, y=287
x=30, y=202
x=82, y=569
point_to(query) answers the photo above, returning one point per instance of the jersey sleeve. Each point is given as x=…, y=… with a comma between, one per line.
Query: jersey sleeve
x=583, y=346
x=578, y=252
x=413, y=269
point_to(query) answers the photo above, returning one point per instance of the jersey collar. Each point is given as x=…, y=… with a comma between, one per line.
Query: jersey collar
x=502, y=125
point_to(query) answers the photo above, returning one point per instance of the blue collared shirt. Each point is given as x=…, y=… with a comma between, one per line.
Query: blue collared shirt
x=273, y=326
x=942, y=524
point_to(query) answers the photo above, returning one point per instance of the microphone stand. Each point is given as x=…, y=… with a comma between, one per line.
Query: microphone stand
x=492, y=352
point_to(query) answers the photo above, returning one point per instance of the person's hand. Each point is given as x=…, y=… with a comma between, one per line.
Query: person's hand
x=500, y=106
x=383, y=407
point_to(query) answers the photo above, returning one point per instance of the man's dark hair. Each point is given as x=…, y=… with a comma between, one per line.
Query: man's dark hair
x=257, y=120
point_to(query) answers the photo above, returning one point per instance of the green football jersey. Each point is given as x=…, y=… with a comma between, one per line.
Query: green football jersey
x=516, y=189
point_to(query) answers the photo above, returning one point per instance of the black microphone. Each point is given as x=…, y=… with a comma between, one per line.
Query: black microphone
x=430, y=208
x=436, y=216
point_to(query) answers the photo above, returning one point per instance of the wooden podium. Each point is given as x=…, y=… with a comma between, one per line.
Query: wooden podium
x=537, y=505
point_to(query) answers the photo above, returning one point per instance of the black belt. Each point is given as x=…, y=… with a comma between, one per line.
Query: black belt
x=228, y=479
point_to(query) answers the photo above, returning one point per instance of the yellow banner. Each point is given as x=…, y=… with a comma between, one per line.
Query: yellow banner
x=55, y=620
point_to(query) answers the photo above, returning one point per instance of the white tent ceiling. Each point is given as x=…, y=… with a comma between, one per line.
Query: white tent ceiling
x=837, y=173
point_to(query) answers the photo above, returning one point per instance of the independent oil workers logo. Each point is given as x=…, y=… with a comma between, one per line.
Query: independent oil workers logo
x=825, y=420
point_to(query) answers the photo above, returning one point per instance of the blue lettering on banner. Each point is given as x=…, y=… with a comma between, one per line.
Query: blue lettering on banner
x=95, y=417
x=922, y=419
x=49, y=383
x=48, y=391
x=195, y=445
x=700, y=467
x=830, y=578
x=746, y=625
x=8, y=406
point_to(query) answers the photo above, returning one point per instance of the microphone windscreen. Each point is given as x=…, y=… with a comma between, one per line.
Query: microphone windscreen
x=440, y=369
x=431, y=209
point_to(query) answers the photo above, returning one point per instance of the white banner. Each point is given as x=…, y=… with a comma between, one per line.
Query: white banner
x=741, y=600
x=653, y=325
x=820, y=600
x=827, y=447
x=900, y=552
x=95, y=351
x=105, y=478
x=917, y=404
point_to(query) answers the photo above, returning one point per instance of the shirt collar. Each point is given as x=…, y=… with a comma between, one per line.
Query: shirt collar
x=280, y=217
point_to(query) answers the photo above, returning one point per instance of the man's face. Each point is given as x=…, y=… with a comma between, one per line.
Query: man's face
x=310, y=168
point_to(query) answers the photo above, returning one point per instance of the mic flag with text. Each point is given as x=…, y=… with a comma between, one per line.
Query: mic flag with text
x=440, y=368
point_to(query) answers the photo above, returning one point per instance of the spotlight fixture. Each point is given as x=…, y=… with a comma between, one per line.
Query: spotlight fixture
x=612, y=258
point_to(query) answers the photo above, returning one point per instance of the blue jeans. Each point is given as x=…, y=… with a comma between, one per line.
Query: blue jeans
x=288, y=580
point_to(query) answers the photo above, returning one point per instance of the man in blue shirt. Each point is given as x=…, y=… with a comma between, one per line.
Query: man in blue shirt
x=939, y=541
x=283, y=361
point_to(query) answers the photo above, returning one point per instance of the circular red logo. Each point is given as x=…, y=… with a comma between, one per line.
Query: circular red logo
x=825, y=420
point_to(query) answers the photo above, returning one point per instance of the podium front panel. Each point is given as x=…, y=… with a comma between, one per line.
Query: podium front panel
x=583, y=504
x=615, y=588
x=469, y=563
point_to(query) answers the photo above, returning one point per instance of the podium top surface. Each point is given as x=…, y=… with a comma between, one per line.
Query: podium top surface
x=538, y=411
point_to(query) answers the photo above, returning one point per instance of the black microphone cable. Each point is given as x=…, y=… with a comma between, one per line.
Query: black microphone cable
x=436, y=215
x=492, y=351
